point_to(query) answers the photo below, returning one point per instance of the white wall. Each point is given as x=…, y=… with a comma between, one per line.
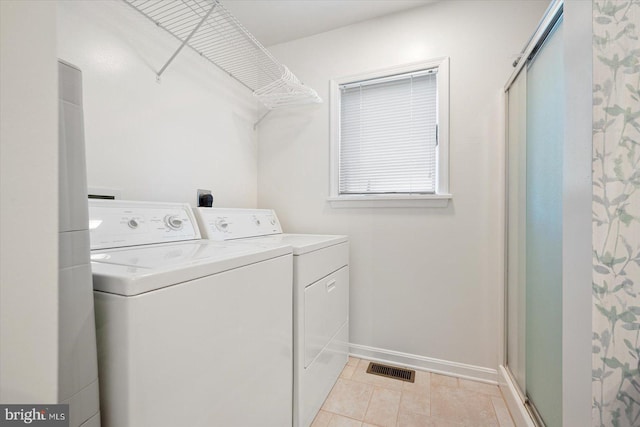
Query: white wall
x=157, y=141
x=28, y=203
x=423, y=281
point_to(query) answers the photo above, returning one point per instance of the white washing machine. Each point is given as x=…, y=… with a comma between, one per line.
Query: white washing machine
x=320, y=296
x=190, y=332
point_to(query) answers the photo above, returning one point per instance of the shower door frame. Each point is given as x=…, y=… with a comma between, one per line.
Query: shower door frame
x=552, y=16
x=577, y=305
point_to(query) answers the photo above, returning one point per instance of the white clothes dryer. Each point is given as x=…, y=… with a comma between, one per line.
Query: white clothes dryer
x=320, y=298
x=190, y=332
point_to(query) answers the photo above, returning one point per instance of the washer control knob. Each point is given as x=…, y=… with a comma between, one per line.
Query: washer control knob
x=256, y=220
x=222, y=225
x=173, y=222
x=133, y=223
x=272, y=220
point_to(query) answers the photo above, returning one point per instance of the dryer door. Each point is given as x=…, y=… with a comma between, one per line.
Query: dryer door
x=326, y=309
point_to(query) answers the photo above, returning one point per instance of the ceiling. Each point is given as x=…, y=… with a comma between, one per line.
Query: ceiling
x=278, y=21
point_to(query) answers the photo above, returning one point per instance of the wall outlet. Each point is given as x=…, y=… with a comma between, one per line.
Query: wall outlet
x=204, y=198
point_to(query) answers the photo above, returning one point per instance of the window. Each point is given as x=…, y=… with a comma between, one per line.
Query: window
x=389, y=134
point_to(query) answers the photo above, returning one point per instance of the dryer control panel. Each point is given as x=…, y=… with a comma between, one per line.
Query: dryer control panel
x=230, y=224
x=118, y=223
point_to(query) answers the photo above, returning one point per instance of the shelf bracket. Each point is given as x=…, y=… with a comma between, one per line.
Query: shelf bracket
x=185, y=41
x=255, y=125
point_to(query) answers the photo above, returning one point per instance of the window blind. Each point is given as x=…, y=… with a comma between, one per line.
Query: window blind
x=388, y=134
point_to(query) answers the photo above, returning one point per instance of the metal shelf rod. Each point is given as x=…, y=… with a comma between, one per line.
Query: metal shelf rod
x=184, y=43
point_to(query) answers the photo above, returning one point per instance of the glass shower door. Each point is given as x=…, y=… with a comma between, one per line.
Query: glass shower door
x=545, y=139
x=535, y=138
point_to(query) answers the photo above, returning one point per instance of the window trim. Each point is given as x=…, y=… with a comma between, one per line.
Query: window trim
x=442, y=196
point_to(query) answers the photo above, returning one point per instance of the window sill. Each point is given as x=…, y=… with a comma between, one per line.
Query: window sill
x=391, y=201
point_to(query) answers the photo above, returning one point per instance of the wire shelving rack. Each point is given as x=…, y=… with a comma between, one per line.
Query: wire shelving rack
x=213, y=32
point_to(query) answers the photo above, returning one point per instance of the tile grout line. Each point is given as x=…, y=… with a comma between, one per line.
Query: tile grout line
x=495, y=413
x=345, y=416
x=493, y=405
x=430, y=394
x=368, y=403
x=400, y=404
x=507, y=406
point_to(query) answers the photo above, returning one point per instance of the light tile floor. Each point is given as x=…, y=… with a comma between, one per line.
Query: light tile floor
x=363, y=400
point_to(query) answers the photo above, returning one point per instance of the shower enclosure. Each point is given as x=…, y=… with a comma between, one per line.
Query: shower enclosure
x=535, y=105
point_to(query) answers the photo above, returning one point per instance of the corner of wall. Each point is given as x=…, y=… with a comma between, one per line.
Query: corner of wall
x=29, y=203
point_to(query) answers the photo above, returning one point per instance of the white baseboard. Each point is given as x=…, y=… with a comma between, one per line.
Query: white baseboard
x=519, y=413
x=413, y=361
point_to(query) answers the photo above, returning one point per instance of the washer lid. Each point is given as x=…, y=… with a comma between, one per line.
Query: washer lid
x=132, y=271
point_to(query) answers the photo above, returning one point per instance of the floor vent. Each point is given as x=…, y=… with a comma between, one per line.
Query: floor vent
x=392, y=372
